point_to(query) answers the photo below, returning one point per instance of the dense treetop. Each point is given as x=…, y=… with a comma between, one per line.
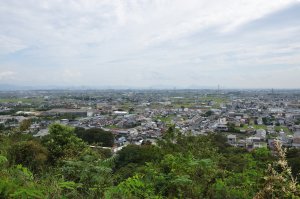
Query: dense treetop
x=63, y=165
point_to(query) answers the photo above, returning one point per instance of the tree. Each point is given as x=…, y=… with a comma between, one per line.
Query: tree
x=25, y=124
x=293, y=158
x=62, y=143
x=131, y=110
x=18, y=181
x=132, y=188
x=96, y=135
x=208, y=113
x=279, y=181
x=29, y=153
x=2, y=127
x=93, y=173
x=137, y=154
x=170, y=134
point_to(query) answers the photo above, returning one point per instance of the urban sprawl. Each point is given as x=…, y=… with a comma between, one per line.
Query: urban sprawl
x=247, y=118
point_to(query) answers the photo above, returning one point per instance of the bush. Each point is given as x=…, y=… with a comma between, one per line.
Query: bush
x=137, y=154
x=29, y=153
x=96, y=135
x=62, y=143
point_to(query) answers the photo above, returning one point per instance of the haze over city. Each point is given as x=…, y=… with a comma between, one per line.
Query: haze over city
x=145, y=44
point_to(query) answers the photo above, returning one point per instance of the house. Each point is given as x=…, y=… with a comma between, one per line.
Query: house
x=259, y=121
x=261, y=133
x=231, y=139
x=296, y=138
x=120, y=141
x=241, y=143
x=34, y=127
x=62, y=112
x=120, y=112
x=255, y=142
x=42, y=133
x=252, y=139
x=221, y=127
x=64, y=121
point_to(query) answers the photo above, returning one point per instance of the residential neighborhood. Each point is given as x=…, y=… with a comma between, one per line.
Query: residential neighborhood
x=248, y=119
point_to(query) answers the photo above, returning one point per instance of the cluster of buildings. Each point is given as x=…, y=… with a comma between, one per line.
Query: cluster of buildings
x=249, y=119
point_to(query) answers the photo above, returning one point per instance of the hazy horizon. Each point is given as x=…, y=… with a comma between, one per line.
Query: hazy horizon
x=9, y=87
x=150, y=44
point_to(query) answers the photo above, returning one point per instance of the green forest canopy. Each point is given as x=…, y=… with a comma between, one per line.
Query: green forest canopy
x=62, y=165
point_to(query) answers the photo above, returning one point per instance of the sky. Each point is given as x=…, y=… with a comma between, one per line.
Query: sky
x=150, y=43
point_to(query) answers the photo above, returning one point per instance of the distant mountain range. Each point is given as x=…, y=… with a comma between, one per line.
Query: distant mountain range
x=8, y=87
x=11, y=87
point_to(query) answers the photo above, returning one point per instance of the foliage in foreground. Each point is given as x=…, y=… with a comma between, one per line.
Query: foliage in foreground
x=62, y=165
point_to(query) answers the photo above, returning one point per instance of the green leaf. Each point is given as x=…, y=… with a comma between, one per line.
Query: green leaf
x=3, y=160
x=67, y=185
x=27, y=193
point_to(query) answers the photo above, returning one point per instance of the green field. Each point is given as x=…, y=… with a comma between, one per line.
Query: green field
x=111, y=127
x=167, y=119
x=276, y=128
x=23, y=100
x=284, y=128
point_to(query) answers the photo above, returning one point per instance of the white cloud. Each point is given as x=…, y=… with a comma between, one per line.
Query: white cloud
x=7, y=75
x=154, y=41
x=71, y=73
x=10, y=44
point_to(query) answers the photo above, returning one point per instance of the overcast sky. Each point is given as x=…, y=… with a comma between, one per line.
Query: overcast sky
x=186, y=43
